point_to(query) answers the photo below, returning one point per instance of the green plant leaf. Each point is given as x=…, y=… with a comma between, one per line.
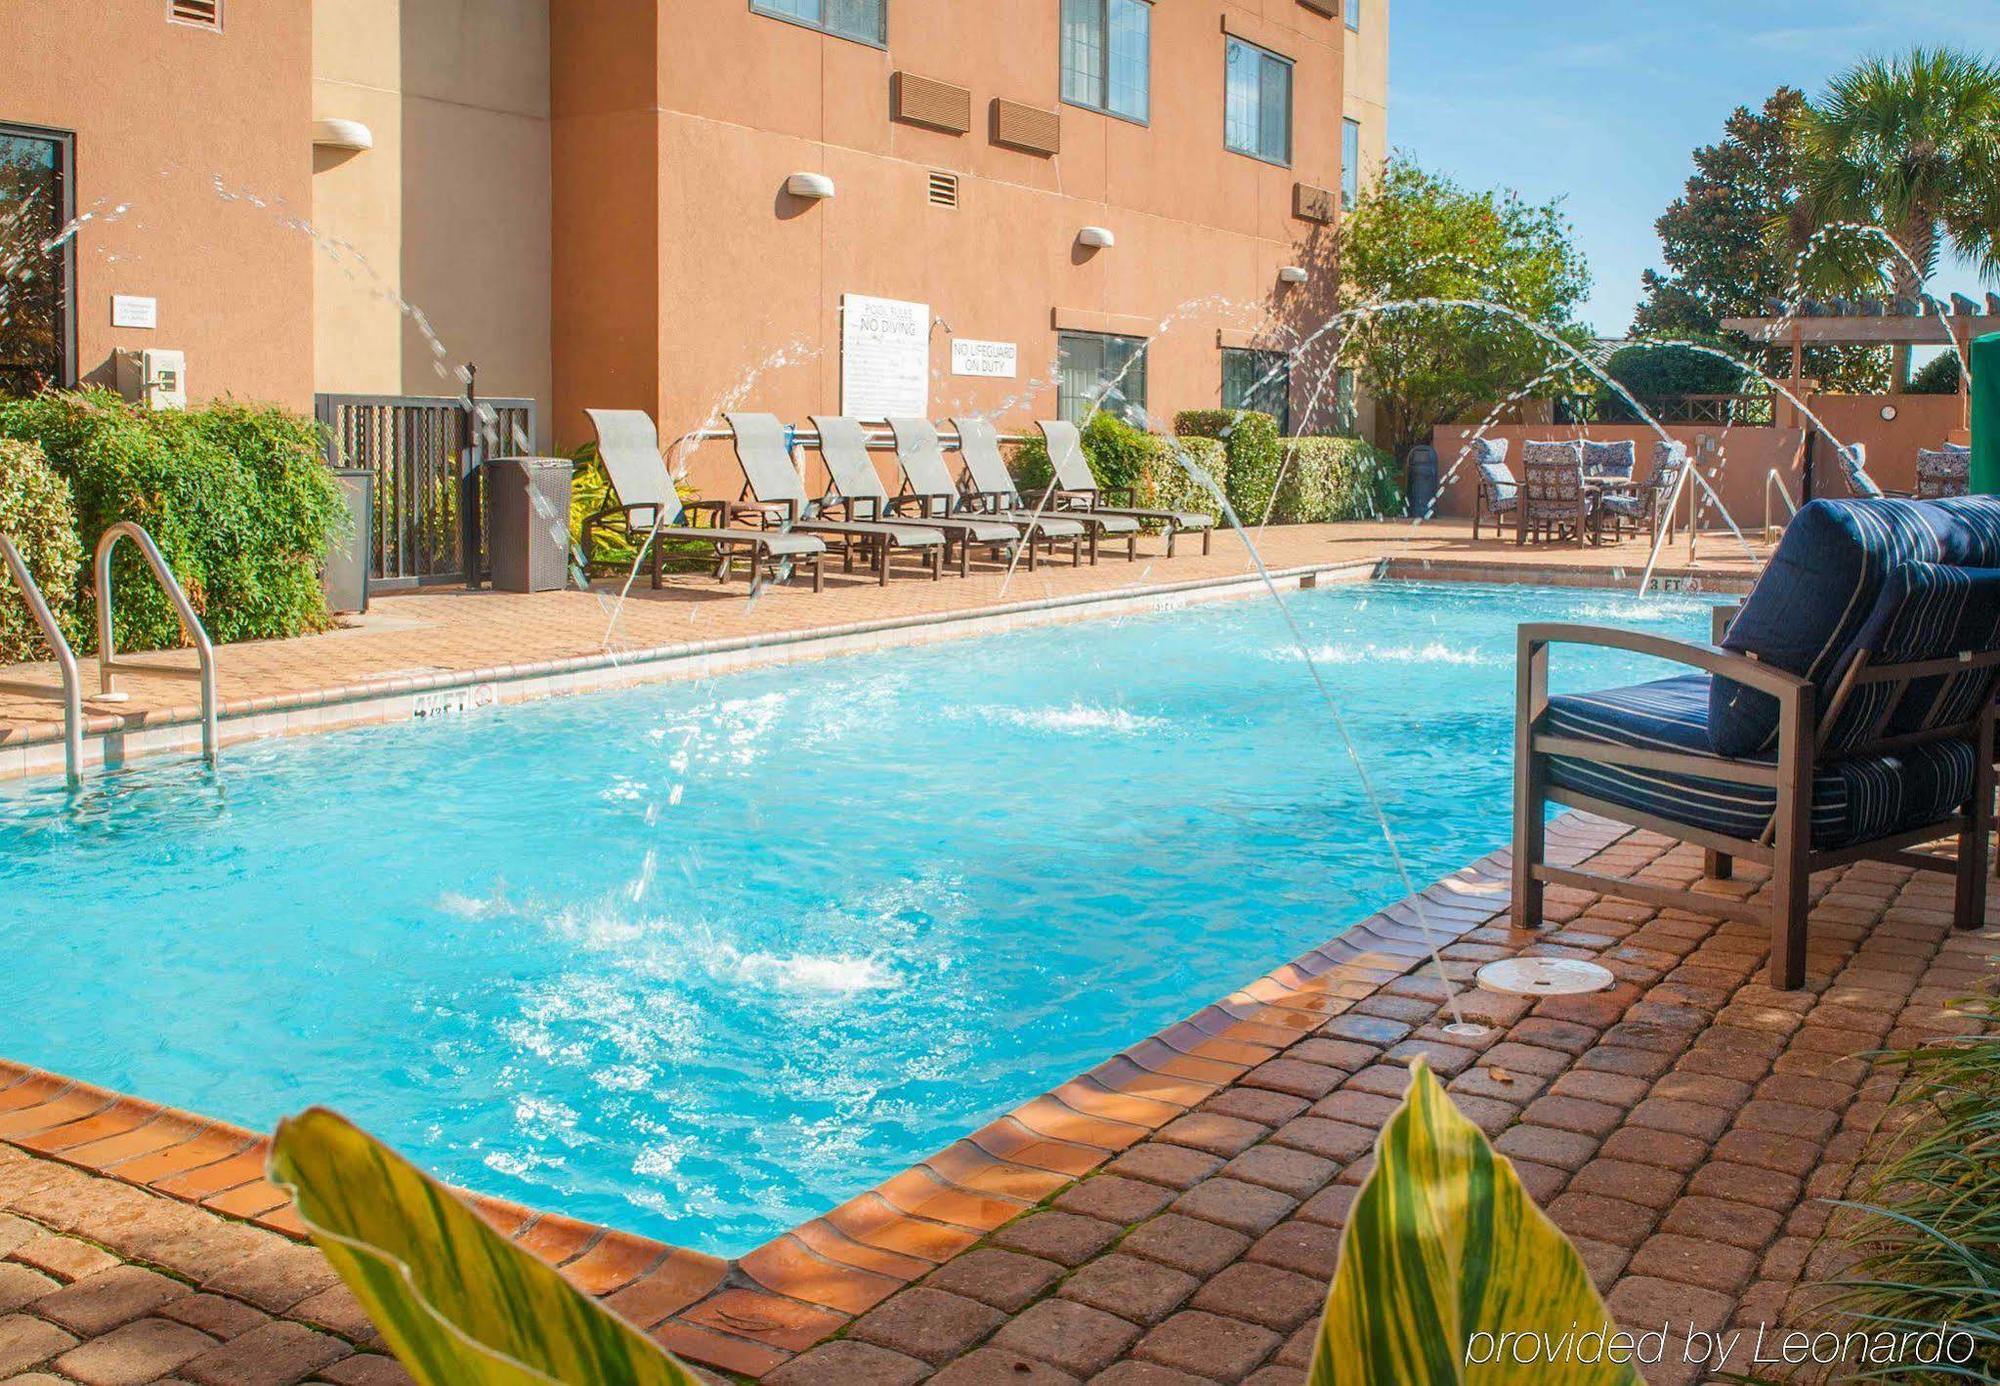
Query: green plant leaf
x=459, y=1304
x=1443, y=1252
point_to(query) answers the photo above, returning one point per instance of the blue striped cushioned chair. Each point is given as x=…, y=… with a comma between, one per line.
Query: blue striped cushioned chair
x=1848, y=714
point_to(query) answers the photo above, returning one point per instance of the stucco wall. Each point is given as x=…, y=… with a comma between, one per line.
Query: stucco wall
x=1922, y=421
x=742, y=271
x=450, y=211
x=162, y=113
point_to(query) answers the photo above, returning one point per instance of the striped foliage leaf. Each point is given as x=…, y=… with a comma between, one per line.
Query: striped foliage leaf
x=1444, y=1252
x=458, y=1303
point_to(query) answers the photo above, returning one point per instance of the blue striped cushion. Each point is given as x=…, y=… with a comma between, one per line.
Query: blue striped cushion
x=1926, y=611
x=1853, y=800
x=1821, y=587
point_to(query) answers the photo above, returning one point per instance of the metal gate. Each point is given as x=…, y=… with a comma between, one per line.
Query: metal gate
x=414, y=444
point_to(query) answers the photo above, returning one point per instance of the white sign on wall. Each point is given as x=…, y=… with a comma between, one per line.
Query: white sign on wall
x=130, y=310
x=885, y=358
x=999, y=360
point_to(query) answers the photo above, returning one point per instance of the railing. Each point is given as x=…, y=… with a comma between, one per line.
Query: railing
x=108, y=663
x=878, y=435
x=1741, y=410
x=1771, y=478
x=72, y=686
x=418, y=447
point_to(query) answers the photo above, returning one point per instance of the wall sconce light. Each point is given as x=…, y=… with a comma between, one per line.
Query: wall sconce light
x=342, y=134
x=1293, y=274
x=814, y=186
x=1888, y=413
x=1096, y=238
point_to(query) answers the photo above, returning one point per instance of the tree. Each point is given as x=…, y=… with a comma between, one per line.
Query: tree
x=1722, y=259
x=1418, y=235
x=1910, y=144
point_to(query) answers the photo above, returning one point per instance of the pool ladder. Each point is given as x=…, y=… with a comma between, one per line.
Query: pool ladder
x=108, y=663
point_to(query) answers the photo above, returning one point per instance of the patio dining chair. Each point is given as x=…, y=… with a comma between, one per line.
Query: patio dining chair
x=1649, y=504
x=1847, y=715
x=988, y=484
x=1610, y=461
x=645, y=503
x=1498, y=494
x=1077, y=488
x=764, y=451
x=1943, y=472
x=1854, y=466
x=928, y=486
x=1554, y=501
x=857, y=491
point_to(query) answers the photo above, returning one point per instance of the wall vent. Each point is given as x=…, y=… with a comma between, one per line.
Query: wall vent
x=1028, y=128
x=927, y=101
x=944, y=189
x=1311, y=204
x=201, y=14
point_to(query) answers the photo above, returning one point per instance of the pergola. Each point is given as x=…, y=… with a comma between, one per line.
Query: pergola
x=1806, y=329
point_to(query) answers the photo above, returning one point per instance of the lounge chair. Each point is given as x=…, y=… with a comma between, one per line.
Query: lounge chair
x=928, y=485
x=843, y=446
x=1077, y=485
x=645, y=502
x=764, y=450
x=1848, y=714
x=1498, y=493
x=990, y=485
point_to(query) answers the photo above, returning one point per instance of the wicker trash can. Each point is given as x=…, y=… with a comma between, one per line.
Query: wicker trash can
x=528, y=538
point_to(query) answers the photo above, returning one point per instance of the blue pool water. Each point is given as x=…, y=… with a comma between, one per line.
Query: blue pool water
x=703, y=959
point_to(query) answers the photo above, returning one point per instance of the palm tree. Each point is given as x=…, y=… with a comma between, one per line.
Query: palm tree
x=1911, y=144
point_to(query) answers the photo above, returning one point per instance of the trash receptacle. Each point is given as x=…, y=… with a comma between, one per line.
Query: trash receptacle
x=1423, y=480
x=528, y=504
x=344, y=573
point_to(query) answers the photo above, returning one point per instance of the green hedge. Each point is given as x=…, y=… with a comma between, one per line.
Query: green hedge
x=36, y=513
x=1330, y=479
x=1254, y=454
x=237, y=496
x=1173, y=487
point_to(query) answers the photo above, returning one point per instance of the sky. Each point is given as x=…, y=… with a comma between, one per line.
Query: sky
x=1601, y=102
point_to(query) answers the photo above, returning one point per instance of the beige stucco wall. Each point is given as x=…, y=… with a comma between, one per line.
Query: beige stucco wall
x=450, y=211
x=735, y=102
x=191, y=153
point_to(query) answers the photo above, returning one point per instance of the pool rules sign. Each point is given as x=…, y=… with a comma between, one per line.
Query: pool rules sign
x=885, y=358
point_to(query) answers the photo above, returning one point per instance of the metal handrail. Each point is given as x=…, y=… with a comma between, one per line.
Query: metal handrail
x=107, y=649
x=879, y=437
x=1771, y=478
x=72, y=685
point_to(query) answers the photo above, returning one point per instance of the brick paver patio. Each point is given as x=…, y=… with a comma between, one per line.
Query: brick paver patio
x=1683, y=1128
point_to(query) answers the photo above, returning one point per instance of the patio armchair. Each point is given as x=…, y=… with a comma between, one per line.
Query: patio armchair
x=772, y=483
x=1554, y=501
x=1077, y=490
x=1847, y=714
x=989, y=485
x=1498, y=494
x=1854, y=466
x=1610, y=461
x=929, y=488
x=1649, y=504
x=1943, y=472
x=645, y=503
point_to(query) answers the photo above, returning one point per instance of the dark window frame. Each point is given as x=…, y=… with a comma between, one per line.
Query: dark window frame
x=65, y=143
x=757, y=7
x=1350, y=170
x=1291, y=100
x=1062, y=72
x=1141, y=349
x=1261, y=365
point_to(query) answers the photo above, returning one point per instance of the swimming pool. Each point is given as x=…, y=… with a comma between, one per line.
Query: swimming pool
x=701, y=960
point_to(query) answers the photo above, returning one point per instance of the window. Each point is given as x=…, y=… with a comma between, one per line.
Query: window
x=864, y=20
x=1350, y=164
x=1094, y=369
x=1345, y=414
x=1106, y=56
x=1354, y=14
x=1260, y=380
x=37, y=275
x=1258, y=116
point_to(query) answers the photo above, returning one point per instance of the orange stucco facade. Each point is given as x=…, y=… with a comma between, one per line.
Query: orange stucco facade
x=191, y=153
x=682, y=267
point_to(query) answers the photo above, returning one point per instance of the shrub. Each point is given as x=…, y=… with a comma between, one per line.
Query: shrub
x=36, y=513
x=1254, y=454
x=1938, y=376
x=237, y=497
x=1172, y=487
x=1327, y=479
